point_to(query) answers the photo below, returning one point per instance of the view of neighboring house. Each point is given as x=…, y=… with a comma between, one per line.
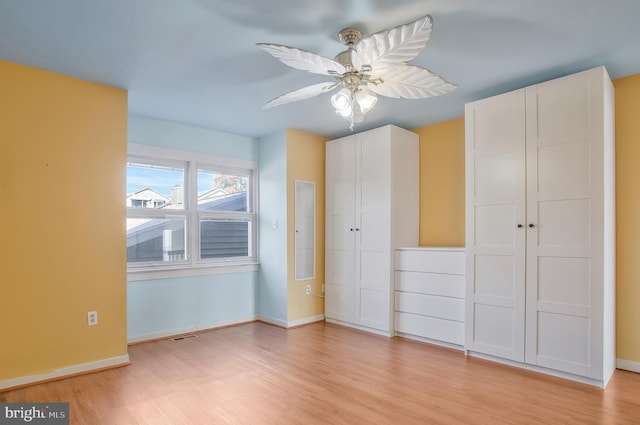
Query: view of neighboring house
x=163, y=239
x=146, y=198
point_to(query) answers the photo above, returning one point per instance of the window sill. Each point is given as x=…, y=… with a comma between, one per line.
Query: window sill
x=168, y=272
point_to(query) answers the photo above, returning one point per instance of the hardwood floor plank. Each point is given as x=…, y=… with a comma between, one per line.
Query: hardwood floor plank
x=326, y=374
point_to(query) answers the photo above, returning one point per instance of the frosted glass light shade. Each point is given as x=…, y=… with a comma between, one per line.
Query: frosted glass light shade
x=365, y=100
x=345, y=112
x=341, y=100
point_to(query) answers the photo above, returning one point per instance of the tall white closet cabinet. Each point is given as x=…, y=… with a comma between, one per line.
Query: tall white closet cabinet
x=540, y=229
x=372, y=207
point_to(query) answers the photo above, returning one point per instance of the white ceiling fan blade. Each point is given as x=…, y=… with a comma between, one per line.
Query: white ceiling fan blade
x=397, y=45
x=301, y=94
x=411, y=82
x=303, y=59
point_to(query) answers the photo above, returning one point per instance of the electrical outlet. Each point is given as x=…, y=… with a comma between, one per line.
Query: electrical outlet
x=92, y=318
x=308, y=289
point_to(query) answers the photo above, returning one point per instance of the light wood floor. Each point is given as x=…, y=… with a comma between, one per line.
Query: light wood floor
x=326, y=374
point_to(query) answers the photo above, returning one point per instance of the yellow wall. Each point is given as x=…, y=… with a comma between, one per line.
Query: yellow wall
x=627, y=216
x=62, y=169
x=442, y=183
x=305, y=161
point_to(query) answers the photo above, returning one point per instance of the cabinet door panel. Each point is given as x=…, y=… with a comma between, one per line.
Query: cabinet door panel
x=340, y=267
x=497, y=122
x=339, y=249
x=340, y=231
x=564, y=280
x=495, y=275
x=563, y=171
x=496, y=177
x=374, y=153
x=495, y=225
x=562, y=111
x=339, y=302
x=374, y=231
x=495, y=198
x=374, y=193
x=341, y=196
x=374, y=309
x=494, y=330
x=374, y=270
x=340, y=159
x=564, y=223
x=563, y=342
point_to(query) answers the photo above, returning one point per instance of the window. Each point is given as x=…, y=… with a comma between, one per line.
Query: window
x=189, y=212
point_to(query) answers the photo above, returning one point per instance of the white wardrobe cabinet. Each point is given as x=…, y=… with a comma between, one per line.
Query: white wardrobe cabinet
x=540, y=230
x=372, y=197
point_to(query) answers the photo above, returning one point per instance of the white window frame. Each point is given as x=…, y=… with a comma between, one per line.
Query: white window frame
x=192, y=162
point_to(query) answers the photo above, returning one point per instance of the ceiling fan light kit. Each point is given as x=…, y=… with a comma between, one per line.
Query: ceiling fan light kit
x=373, y=65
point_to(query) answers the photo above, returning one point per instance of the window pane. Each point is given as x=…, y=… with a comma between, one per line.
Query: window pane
x=154, y=186
x=221, y=238
x=155, y=240
x=222, y=192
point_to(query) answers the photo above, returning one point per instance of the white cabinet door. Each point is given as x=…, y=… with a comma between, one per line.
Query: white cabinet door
x=564, y=197
x=339, y=228
x=373, y=244
x=495, y=232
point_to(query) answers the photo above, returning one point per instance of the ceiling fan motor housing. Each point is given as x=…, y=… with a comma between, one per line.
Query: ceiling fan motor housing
x=346, y=59
x=350, y=36
x=352, y=78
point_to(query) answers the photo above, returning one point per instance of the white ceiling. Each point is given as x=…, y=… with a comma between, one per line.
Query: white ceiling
x=195, y=61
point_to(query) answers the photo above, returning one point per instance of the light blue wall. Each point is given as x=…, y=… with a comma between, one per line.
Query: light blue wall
x=171, y=135
x=161, y=307
x=157, y=308
x=272, y=277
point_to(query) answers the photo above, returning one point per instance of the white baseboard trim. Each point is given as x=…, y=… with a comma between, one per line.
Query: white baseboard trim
x=65, y=371
x=161, y=334
x=198, y=328
x=273, y=321
x=628, y=365
x=223, y=323
x=431, y=341
x=361, y=328
x=540, y=369
x=305, y=321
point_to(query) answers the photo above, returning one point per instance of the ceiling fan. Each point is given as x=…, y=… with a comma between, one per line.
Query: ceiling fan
x=373, y=65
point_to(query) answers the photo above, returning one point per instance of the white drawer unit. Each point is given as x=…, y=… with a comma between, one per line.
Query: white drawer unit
x=429, y=294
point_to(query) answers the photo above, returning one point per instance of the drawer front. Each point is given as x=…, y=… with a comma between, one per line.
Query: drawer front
x=428, y=327
x=431, y=261
x=429, y=305
x=446, y=285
